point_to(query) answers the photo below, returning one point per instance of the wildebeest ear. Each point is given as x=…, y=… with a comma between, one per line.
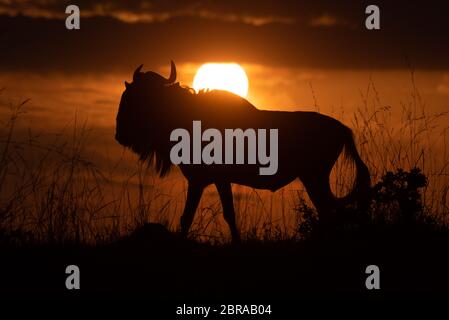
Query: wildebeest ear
x=127, y=84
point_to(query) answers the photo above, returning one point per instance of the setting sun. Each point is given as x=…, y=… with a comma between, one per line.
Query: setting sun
x=222, y=76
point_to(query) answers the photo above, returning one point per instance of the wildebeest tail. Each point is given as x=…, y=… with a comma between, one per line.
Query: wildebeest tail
x=361, y=189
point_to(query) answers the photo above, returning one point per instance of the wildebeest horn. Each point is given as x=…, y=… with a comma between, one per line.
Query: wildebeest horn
x=137, y=72
x=172, y=77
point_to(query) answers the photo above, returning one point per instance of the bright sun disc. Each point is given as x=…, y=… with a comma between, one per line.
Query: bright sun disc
x=222, y=76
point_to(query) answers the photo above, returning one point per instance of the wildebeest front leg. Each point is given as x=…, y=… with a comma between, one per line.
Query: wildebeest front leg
x=194, y=192
x=225, y=192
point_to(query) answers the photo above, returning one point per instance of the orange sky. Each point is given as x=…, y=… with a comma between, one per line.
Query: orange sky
x=97, y=95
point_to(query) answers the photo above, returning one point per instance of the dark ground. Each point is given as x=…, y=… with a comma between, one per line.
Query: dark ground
x=153, y=263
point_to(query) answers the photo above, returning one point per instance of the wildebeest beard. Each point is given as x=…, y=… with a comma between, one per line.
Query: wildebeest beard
x=154, y=152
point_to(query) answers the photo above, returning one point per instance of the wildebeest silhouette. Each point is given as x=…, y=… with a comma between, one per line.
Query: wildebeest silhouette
x=309, y=143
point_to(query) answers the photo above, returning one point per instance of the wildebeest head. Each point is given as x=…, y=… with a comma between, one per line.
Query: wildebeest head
x=142, y=112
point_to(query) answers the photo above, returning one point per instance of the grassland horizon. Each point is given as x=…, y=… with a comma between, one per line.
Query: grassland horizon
x=56, y=188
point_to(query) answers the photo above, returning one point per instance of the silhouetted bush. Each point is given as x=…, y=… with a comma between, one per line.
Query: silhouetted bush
x=397, y=197
x=307, y=218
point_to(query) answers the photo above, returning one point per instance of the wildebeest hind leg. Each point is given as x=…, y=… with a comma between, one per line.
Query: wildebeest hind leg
x=225, y=192
x=194, y=192
x=320, y=193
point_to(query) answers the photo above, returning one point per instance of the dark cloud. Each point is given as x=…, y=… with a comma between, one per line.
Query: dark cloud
x=151, y=11
x=322, y=34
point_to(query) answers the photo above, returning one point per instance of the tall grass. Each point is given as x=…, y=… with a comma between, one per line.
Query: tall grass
x=55, y=191
x=405, y=137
